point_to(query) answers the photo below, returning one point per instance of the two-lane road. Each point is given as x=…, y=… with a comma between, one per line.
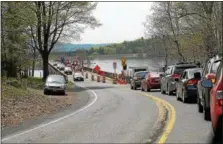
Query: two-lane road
x=115, y=115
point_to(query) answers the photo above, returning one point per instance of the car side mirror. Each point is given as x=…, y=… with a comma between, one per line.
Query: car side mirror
x=197, y=75
x=206, y=84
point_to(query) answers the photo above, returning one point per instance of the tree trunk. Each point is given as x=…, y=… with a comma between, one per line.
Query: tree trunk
x=34, y=61
x=166, y=51
x=11, y=69
x=45, y=58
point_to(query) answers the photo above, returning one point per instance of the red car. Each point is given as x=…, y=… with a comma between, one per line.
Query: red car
x=151, y=81
x=216, y=99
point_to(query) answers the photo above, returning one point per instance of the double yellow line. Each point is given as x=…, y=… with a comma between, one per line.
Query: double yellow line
x=171, y=116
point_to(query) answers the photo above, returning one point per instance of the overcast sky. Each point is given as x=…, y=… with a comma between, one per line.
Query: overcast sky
x=120, y=21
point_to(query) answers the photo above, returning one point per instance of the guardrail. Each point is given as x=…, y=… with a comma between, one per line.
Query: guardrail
x=53, y=70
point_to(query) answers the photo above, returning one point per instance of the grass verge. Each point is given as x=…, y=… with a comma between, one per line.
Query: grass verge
x=19, y=102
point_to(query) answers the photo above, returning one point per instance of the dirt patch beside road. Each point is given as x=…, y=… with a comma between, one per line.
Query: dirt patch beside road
x=18, y=105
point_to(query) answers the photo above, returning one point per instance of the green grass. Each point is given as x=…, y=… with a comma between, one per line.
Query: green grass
x=35, y=83
x=70, y=84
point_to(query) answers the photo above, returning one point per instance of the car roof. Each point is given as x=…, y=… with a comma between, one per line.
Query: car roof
x=184, y=65
x=194, y=69
x=216, y=57
x=141, y=72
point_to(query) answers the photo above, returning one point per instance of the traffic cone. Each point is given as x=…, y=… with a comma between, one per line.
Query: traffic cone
x=86, y=75
x=114, y=79
x=98, y=78
x=92, y=77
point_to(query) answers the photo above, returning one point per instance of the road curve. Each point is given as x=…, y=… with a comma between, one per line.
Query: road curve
x=117, y=116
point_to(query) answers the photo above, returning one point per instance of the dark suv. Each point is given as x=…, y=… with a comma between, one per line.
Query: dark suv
x=203, y=96
x=168, y=83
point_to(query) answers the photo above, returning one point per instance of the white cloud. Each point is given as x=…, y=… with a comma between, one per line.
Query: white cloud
x=120, y=21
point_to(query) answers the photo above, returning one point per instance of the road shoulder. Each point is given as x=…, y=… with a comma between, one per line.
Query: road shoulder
x=82, y=98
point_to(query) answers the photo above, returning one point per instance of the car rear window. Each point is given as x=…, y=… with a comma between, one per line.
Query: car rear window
x=141, y=74
x=155, y=74
x=137, y=70
x=215, y=66
x=180, y=69
x=191, y=73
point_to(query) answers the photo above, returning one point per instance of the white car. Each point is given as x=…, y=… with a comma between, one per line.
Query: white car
x=78, y=76
x=68, y=70
x=61, y=67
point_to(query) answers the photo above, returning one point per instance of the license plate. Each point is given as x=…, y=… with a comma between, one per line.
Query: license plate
x=191, y=87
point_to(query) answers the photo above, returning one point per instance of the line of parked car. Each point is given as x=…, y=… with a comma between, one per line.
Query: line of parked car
x=189, y=82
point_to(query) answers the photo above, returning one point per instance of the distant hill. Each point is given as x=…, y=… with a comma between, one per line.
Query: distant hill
x=67, y=47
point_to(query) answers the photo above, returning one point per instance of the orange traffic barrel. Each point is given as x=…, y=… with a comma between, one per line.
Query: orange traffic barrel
x=98, y=78
x=92, y=77
x=86, y=75
x=103, y=79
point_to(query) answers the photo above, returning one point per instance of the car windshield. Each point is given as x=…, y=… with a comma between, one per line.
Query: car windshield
x=68, y=68
x=180, y=69
x=55, y=79
x=141, y=74
x=191, y=73
x=78, y=74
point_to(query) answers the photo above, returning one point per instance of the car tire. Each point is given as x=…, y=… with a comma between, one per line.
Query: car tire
x=161, y=89
x=168, y=91
x=142, y=88
x=199, y=106
x=147, y=88
x=46, y=92
x=134, y=87
x=63, y=93
x=184, y=100
x=207, y=115
x=177, y=96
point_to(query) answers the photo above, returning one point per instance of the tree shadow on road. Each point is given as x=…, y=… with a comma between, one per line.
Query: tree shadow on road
x=80, y=89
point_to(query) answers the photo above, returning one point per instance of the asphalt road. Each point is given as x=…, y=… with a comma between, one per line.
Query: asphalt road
x=189, y=127
x=114, y=115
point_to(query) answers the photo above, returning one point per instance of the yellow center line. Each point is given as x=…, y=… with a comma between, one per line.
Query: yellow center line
x=171, y=115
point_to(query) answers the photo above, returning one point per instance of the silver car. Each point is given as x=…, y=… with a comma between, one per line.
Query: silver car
x=55, y=84
x=68, y=70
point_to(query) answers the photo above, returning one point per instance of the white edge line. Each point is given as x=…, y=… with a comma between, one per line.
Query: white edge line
x=56, y=120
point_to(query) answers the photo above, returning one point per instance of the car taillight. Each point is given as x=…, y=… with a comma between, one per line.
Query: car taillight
x=219, y=97
x=175, y=76
x=192, y=82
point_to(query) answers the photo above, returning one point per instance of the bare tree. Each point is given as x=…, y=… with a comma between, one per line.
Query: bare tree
x=55, y=20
